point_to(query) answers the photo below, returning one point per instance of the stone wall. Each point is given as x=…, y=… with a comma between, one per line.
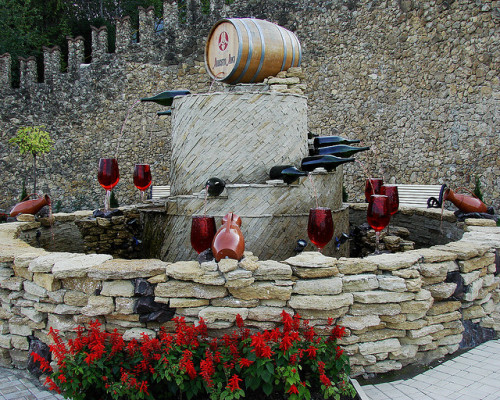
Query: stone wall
x=416, y=81
x=398, y=308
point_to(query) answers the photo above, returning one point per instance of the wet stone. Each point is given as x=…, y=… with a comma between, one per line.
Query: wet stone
x=143, y=288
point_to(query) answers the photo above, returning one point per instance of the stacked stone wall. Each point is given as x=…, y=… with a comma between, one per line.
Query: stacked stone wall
x=398, y=309
x=416, y=81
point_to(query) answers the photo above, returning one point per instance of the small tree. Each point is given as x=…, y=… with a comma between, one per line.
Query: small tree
x=33, y=140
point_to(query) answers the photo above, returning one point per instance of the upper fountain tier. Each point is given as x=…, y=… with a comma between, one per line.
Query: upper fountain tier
x=235, y=136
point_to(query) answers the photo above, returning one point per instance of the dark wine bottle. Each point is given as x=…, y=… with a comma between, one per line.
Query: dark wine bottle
x=166, y=98
x=339, y=151
x=215, y=186
x=288, y=173
x=323, y=141
x=312, y=135
x=160, y=113
x=327, y=162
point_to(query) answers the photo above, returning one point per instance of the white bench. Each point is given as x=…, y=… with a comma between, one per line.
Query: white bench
x=157, y=192
x=417, y=195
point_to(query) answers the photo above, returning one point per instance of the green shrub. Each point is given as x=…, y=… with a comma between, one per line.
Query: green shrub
x=293, y=361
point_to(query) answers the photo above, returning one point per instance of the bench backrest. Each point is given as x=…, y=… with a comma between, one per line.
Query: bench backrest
x=417, y=195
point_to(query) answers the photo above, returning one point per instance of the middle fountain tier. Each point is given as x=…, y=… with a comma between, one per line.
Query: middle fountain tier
x=238, y=135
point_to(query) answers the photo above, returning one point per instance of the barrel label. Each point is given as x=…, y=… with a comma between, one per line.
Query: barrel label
x=222, y=62
x=223, y=40
x=221, y=55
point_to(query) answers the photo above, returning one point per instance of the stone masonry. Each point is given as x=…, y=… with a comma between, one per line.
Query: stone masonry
x=398, y=308
x=416, y=81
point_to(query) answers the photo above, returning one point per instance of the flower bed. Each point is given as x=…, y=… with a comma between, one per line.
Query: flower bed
x=291, y=361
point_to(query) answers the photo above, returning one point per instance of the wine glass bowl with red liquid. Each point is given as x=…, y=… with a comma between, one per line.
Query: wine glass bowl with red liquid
x=202, y=232
x=373, y=186
x=142, y=178
x=391, y=191
x=108, y=176
x=378, y=215
x=320, y=226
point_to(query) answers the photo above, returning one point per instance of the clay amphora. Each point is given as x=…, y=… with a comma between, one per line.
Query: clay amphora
x=465, y=203
x=228, y=241
x=30, y=206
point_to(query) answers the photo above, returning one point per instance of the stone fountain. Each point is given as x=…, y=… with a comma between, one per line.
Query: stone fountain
x=238, y=135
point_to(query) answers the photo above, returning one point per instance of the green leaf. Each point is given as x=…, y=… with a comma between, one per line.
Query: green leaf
x=267, y=388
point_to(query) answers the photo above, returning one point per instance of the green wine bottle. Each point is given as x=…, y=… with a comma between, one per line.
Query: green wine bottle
x=166, y=98
x=324, y=141
x=339, y=151
x=327, y=162
x=288, y=173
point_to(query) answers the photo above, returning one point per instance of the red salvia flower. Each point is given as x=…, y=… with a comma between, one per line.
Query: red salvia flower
x=286, y=342
x=293, y=390
x=44, y=363
x=311, y=352
x=325, y=380
x=239, y=321
x=339, y=352
x=245, y=362
x=234, y=383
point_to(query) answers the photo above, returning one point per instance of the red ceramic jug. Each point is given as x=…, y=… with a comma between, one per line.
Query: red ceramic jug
x=465, y=203
x=30, y=206
x=228, y=241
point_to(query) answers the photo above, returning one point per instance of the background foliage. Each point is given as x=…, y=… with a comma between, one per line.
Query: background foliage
x=27, y=25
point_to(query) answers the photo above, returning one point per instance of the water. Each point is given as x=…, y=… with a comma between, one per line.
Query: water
x=152, y=124
x=123, y=126
x=367, y=174
x=205, y=202
x=314, y=189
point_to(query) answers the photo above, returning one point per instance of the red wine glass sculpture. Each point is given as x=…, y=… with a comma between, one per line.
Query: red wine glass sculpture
x=378, y=215
x=372, y=186
x=320, y=226
x=108, y=176
x=391, y=191
x=202, y=232
x=142, y=178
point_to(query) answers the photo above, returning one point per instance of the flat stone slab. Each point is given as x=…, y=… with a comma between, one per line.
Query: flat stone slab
x=214, y=314
x=379, y=296
x=188, y=289
x=311, y=259
x=184, y=270
x=270, y=270
x=128, y=269
x=45, y=263
x=327, y=286
x=320, y=302
x=391, y=262
x=78, y=267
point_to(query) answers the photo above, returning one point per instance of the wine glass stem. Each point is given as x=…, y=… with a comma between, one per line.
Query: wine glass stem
x=106, y=200
x=142, y=196
x=377, y=241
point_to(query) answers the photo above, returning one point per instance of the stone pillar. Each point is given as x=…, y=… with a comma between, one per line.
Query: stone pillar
x=146, y=25
x=5, y=71
x=51, y=64
x=99, y=42
x=170, y=15
x=28, y=72
x=76, y=53
x=122, y=34
x=193, y=12
x=220, y=9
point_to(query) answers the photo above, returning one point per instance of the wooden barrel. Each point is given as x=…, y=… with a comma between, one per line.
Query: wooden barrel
x=248, y=50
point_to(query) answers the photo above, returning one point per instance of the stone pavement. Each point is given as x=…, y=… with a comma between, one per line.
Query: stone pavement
x=474, y=375
x=18, y=384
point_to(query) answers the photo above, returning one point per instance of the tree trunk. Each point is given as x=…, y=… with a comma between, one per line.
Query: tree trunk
x=34, y=173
